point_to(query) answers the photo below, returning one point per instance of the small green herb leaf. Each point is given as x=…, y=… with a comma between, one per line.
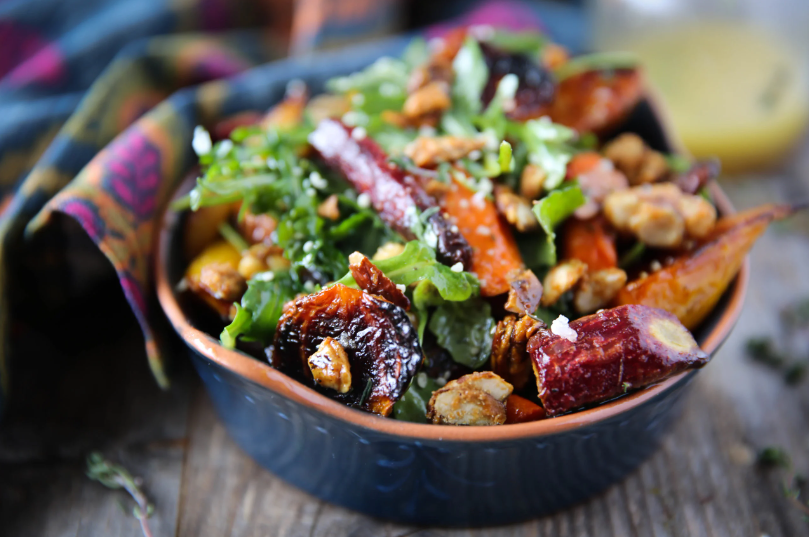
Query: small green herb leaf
x=552, y=210
x=471, y=75
x=464, y=329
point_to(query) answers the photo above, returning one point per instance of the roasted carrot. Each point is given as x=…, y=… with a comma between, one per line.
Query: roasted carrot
x=691, y=286
x=494, y=251
x=591, y=241
x=582, y=163
x=288, y=112
x=521, y=410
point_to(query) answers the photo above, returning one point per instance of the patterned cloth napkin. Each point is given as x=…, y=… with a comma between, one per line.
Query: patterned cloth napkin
x=99, y=100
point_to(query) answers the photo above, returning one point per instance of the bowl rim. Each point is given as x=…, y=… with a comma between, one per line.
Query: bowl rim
x=264, y=375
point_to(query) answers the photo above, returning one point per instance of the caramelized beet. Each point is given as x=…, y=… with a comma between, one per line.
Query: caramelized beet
x=382, y=346
x=374, y=281
x=536, y=87
x=394, y=194
x=623, y=348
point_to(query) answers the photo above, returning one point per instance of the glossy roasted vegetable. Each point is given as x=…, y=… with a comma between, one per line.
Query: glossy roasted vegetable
x=213, y=276
x=609, y=353
x=372, y=280
x=397, y=197
x=494, y=253
x=590, y=241
x=509, y=355
x=380, y=343
x=691, y=286
x=521, y=410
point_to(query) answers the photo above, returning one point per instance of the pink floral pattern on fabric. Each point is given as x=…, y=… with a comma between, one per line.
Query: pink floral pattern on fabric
x=132, y=174
x=86, y=213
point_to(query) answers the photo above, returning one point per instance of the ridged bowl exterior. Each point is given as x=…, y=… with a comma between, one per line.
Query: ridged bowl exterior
x=429, y=482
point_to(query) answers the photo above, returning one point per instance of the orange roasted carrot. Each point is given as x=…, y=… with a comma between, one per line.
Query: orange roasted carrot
x=494, y=251
x=288, y=112
x=582, y=163
x=770, y=210
x=521, y=410
x=691, y=286
x=590, y=241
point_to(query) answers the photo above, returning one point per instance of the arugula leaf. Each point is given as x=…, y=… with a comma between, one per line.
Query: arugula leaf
x=528, y=42
x=425, y=295
x=413, y=404
x=471, y=74
x=552, y=210
x=597, y=61
x=548, y=148
x=416, y=263
x=464, y=329
x=494, y=118
x=260, y=309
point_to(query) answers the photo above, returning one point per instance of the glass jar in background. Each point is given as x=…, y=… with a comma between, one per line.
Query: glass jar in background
x=734, y=74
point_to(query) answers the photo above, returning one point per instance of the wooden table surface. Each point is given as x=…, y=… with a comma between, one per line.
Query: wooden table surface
x=702, y=482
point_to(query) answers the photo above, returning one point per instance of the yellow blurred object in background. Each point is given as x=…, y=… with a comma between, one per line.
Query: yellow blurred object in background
x=733, y=91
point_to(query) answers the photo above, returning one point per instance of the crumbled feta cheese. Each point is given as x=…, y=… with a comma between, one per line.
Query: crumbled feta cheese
x=464, y=204
x=202, y=141
x=317, y=180
x=655, y=265
x=457, y=267
x=561, y=328
x=264, y=276
x=359, y=133
x=430, y=238
x=307, y=246
x=475, y=154
x=421, y=380
x=224, y=148
x=401, y=287
x=427, y=131
x=364, y=201
x=479, y=200
x=311, y=192
x=454, y=229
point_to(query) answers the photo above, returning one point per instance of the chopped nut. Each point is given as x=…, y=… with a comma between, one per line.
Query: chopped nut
x=222, y=281
x=597, y=289
x=509, y=357
x=515, y=209
x=397, y=119
x=660, y=215
x=597, y=183
x=531, y=181
x=429, y=151
x=328, y=208
x=257, y=228
x=638, y=162
x=431, y=98
x=525, y=292
x=561, y=279
x=388, y=250
x=474, y=399
x=329, y=366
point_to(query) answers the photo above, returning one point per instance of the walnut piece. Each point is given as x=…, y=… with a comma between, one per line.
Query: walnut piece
x=510, y=359
x=515, y=209
x=474, y=399
x=429, y=151
x=329, y=366
x=429, y=99
x=222, y=281
x=531, y=181
x=597, y=289
x=638, y=162
x=561, y=279
x=525, y=292
x=660, y=215
x=388, y=250
x=328, y=208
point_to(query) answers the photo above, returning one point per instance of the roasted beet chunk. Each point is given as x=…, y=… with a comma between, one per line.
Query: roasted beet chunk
x=611, y=352
x=536, y=87
x=381, y=345
x=395, y=195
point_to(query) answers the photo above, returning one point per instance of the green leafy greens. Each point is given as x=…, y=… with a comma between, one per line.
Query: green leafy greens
x=464, y=329
x=552, y=210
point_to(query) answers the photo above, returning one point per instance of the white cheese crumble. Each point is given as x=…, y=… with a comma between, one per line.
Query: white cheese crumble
x=317, y=180
x=224, y=148
x=475, y=154
x=364, y=201
x=401, y=287
x=457, y=267
x=430, y=238
x=264, y=276
x=561, y=328
x=421, y=380
x=202, y=141
x=359, y=133
x=307, y=246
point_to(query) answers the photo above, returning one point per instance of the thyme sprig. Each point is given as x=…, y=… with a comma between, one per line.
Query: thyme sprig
x=115, y=476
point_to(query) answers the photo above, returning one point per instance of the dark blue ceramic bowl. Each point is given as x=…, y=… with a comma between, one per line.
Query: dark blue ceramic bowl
x=431, y=474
